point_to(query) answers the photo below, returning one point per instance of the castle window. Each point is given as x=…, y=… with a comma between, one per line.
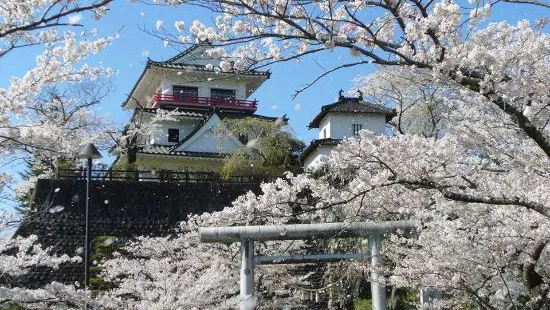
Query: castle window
x=184, y=93
x=325, y=133
x=173, y=135
x=243, y=138
x=357, y=128
x=220, y=93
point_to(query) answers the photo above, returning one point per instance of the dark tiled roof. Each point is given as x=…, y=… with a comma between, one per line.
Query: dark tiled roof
x=207, y=111
x=351, y=105
x=206, y=116
x=147, y=65
x=196, y=67
x=179, y=112
x=239, y=115
x=167, y=150
x=171, y=63
x=315, y=143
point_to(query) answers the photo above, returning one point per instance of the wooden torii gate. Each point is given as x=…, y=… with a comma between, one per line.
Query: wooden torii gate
x=246, y=235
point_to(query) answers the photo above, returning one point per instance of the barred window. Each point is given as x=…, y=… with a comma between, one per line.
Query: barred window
x=181, y=93
x=173, y=135
x=220, y=93
x=243, y=138
x=357, y=128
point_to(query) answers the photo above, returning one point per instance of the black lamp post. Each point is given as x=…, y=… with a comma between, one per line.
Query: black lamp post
x=89, y=152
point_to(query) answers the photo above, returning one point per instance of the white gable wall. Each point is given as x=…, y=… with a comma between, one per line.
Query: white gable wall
x=340, y=126
x=213, y=137
x=160, y=135
x=198, y=56
x=210, y=142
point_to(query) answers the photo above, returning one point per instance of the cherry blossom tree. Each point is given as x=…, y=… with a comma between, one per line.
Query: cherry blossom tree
x=180, y=271
x=46, y=113
x=475, y=173
x=477, y=177
x=420, y=105
x=34, y=118
x=19, y=256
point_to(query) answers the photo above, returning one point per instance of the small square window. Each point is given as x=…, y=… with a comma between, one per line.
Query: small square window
x=243, y=138
x=357, y=128
x=173, y=135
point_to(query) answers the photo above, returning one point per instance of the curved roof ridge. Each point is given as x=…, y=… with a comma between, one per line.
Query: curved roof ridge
x=351, y=105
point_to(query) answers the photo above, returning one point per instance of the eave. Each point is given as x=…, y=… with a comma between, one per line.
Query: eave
x=316, y=143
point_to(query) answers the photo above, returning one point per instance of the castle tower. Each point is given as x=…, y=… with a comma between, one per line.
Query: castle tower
x=201, y=97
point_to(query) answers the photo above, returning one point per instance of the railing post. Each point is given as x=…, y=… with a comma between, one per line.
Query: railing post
x=247, y=272
x=377, y=278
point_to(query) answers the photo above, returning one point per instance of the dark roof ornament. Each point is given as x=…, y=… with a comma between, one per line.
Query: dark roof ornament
x=360, y=94
x=341, y=95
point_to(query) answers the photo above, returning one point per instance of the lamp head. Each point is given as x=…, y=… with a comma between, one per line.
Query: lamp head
x=89, y=151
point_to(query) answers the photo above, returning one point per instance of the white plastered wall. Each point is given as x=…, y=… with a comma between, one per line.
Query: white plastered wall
x=210, y=142
x=317, y=158
x=160, y=135
x=340, y=125
x=324, y=128
x=205, y=86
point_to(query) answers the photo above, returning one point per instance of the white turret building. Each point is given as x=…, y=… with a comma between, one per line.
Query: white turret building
x=341, y=120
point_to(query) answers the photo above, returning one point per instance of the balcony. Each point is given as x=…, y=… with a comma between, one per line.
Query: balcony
x=160, y=100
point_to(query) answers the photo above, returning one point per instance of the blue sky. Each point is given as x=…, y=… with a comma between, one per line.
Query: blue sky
x=129, y=53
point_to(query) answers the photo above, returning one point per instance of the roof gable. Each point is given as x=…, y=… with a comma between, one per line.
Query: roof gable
x=212, y=137
x=196, y=58
x=195, y=55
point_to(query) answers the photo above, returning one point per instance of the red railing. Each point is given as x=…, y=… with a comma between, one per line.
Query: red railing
x=163, y=99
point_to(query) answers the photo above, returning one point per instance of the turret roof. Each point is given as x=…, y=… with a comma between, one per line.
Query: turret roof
x=184, y=60
x=351, y=105
x=316, y=143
